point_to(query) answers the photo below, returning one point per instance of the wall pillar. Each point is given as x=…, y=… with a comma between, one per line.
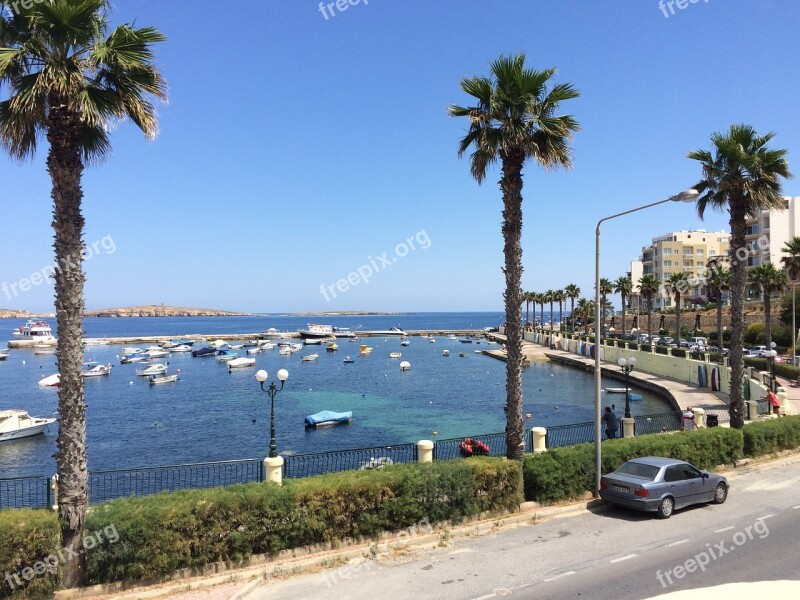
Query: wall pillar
x=752, y=410
x=699, y=418
x=54, y=487
x=425, y=451
x=628, y=427
x=539, y=436
x=273, y=467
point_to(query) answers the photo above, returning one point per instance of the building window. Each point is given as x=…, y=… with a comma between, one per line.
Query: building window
x=667, y=251
x=667, y=263
x=752, y=229
x=712, y=253
x=700, y=252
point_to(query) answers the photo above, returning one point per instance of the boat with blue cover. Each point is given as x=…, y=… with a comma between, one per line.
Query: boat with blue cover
x=328, y=417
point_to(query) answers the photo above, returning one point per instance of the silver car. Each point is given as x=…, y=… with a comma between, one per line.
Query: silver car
x=661, y=485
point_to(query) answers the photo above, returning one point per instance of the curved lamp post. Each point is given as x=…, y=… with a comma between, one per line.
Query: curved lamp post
x=687, y=196
x=272, y=390
x=627, y=366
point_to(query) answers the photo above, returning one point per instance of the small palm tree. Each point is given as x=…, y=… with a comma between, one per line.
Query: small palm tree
x=514, y=119
x=550, y=296
x=648, y=287
x=560, y=297
x=606, y=288
x=573, y=292
x=678, y=285
x=769, y=279
x=791, y=262
x=742, y=176
x=623, y=286
x=719, y=280
x=69, y=80
x=541, y=297
x=528, y=297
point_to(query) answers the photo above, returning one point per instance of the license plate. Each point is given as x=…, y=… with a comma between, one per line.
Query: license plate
x=621, y=488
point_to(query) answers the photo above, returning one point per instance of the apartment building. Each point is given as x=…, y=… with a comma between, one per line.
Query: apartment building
x=767, y=232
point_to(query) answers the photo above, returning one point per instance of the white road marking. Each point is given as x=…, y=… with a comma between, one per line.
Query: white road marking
x=765, y=517
x=486, y=597
x=621, y=558
x=677, y=543
x=560, y=576
x=798, y=506
x=723, y=529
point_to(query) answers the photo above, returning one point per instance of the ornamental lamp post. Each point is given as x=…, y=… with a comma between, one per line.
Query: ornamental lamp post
x=627, y=366
x=771, y=354
x=272, y=391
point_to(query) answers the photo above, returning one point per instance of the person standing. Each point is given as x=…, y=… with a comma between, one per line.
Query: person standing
x=610, y=419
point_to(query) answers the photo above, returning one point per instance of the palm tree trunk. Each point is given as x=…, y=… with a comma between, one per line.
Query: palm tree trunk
x=719, y=325
x=511, y=185
x=738, y=232
x=551, y=316
x=767, y=324
x=541, y=315
x=649, y=319
x=678, y=317
x=527, y=311
x=622, y=294
x=572, y=313
x=66, y=168
x=560, y=318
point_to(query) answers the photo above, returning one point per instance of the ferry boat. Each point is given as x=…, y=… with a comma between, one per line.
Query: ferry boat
x=317, y=331
x=37, y=331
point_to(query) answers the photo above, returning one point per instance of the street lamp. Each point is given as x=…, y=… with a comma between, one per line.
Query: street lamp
x=687, y=196
x=627, y=366
x=771, y=354
x=272, y=390
x=794, y=327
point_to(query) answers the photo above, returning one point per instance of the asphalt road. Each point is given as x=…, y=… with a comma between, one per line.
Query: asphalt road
x=604, y=553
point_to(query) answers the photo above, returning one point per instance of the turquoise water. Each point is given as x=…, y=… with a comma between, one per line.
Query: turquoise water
x=211, y=415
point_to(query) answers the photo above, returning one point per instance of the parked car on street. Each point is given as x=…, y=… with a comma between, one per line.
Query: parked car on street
x=666, y=341
x=715, y=350
x=661, y=485
x=758, y=351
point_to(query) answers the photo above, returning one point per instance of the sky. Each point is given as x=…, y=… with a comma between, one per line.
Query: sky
x=306, y=161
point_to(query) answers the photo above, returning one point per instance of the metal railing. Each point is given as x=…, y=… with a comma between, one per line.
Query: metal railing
x=25, y=492
x=658, y=423
x=569, y=435
x=319, y=463
x=451, y=448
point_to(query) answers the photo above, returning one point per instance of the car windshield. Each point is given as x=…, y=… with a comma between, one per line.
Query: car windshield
x=636, y=469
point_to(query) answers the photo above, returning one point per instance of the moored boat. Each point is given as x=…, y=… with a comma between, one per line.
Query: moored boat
x=133, y=358
x=347, y=360
x=4, y=354
x=226, y=355
x=364, y=349
x=51, y=380
x=43, y=349
x=155, y=379
x=156, y=369
x=310, y=357
x=204, y=351
x=328, y=417
x=95, y=369
x=36, y=331
x=405, y=365
x=285, y=351
x=180, y=348
x=445, y=352
x=332, y=347
x=241, y=363
x=405, y=343
x=16, y=423
x=395, y=354
x=316, y=331
x=256, y=350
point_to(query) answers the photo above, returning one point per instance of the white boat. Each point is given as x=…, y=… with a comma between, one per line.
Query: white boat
x=395, y=354
x=155, y=352
x=133, y=358
x=432, y=340
x=285, y=350
x=313, y=341
x=155, y=379
x=615, y=390
x=445, y=352
x=317, y=331
x=37, y=331
x=218, y=344
x=94, y=369
x=43, y=349
x=51, y=380
x=3, y=354
x=392, y=331
x=310, y=357
x=226, y=355
x=16, y=423
x=180, y=348
x=241, y=363
x=131, y=350
x=277, y=335
x=345, y=332
x=267, y=345
x=405, y=365
x=156, y=369
x=296, y=347
x=452, y=338
x=405, y=343
x=237, y=346
x=254, y=350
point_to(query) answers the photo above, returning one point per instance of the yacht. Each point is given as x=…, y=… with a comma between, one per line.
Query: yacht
x=317, y=331
x=37, y=331
x=16, y=423
x=94, y=369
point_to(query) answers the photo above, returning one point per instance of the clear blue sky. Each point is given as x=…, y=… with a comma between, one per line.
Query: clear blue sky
x=294, y=148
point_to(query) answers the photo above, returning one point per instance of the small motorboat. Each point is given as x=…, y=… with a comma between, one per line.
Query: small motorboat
x=470, y=447
x=155, y=379
x=313, y=341
x=133, y=358
x=405, y=343
x=328, y=417
x=241, y=363
x=285, y=351
x=218, y=344
x=310, y=357
x=616, y=390
x=431, y=339
x=3, y=354
x=463, y=354
x=250, y=344
x=465, y=341
x=180, y=348
x=226, y=355
x=236, y=346
x=332, y=347
x=155, y=352
x=364, y=349
x=204, y=351
x=296, y=347
x=452, y=338
x=395, y=354
x=131, y=350
x=405, y=365
x=50, y=381
x=156, y=369
x=94, y=369
x=266, y=345
x=347, y=360
x=43, y=349
x=445, y=352
x=175, y=343
x=16, y=423
x=256, y=350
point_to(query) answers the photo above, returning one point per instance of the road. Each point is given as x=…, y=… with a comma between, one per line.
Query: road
x=603, y=553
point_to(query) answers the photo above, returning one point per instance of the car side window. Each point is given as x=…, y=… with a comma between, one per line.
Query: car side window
x=673, y=474
x=691, y=473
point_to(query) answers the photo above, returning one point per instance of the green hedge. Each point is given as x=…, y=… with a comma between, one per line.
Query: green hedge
x=166, y=532
x=783, y=369
x=29, y=543
x=566, y=473
x=773, y=435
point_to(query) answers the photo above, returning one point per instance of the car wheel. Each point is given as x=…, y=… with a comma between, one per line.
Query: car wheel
x=721, y=493
x=665, y=508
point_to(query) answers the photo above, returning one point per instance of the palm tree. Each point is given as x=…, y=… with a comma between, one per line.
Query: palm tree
x=540, y=299
x=528, y=297
x=560, y=297
x=769, y=279
x=742, y=177
x=514, y=119
x=550, y=296
x=606, y=288
x=623, y=286
x=648, y=287
x=719, y=280
x=678, y=284
x=586, y=310
x=573, y=292
x=792, y=262
x=69, y=79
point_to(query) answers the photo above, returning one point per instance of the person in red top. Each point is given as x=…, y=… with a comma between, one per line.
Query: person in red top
x=774, y=402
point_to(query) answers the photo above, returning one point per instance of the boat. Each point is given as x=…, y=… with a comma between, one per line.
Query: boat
x=37, y=331
x=226, y=355
x=241, y=363
x=392, y=331
x=345, y=332
x=254, y=350
x=463, y=354
x=156, y=369
x=16, y=423
x=3, y=354
x=94, y=369
x=180, y=348
x=332, y=347
x=364, y=349
x=310, y=357
x=431, y=340
x=313, y=341
x=155, y=379
x=614, y=390
x=266, y=345
x=296, y=347
x=465, y=341
x=50, y=380
x=131, y=350
x=634, y=396
x=43, y=349
x=328, y=417
x=218, y=344
x=250, y=344
x=285, y=350
x=236, y=346
x=470, y=447
x=204, y=351
x=155, y=352
x=275, y=334
x=317, y=331
x=133, y=358
x=405, y=365
x=347, y=360
x=445, y=352
x=405, y=343
x=395, y=354
x=452, y=338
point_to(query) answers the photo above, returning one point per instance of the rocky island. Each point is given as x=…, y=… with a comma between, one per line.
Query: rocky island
x=20, y=314
x=160, y=310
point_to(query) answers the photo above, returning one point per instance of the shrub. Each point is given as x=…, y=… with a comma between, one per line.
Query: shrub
x=161, y=534
x=773, y=435
x=754, y=334
x=680, y=352
x=28, y=538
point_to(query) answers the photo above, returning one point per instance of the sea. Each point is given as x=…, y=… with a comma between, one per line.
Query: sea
x=210, y=414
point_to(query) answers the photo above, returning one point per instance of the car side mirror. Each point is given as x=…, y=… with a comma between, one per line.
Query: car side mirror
x=705, y=475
